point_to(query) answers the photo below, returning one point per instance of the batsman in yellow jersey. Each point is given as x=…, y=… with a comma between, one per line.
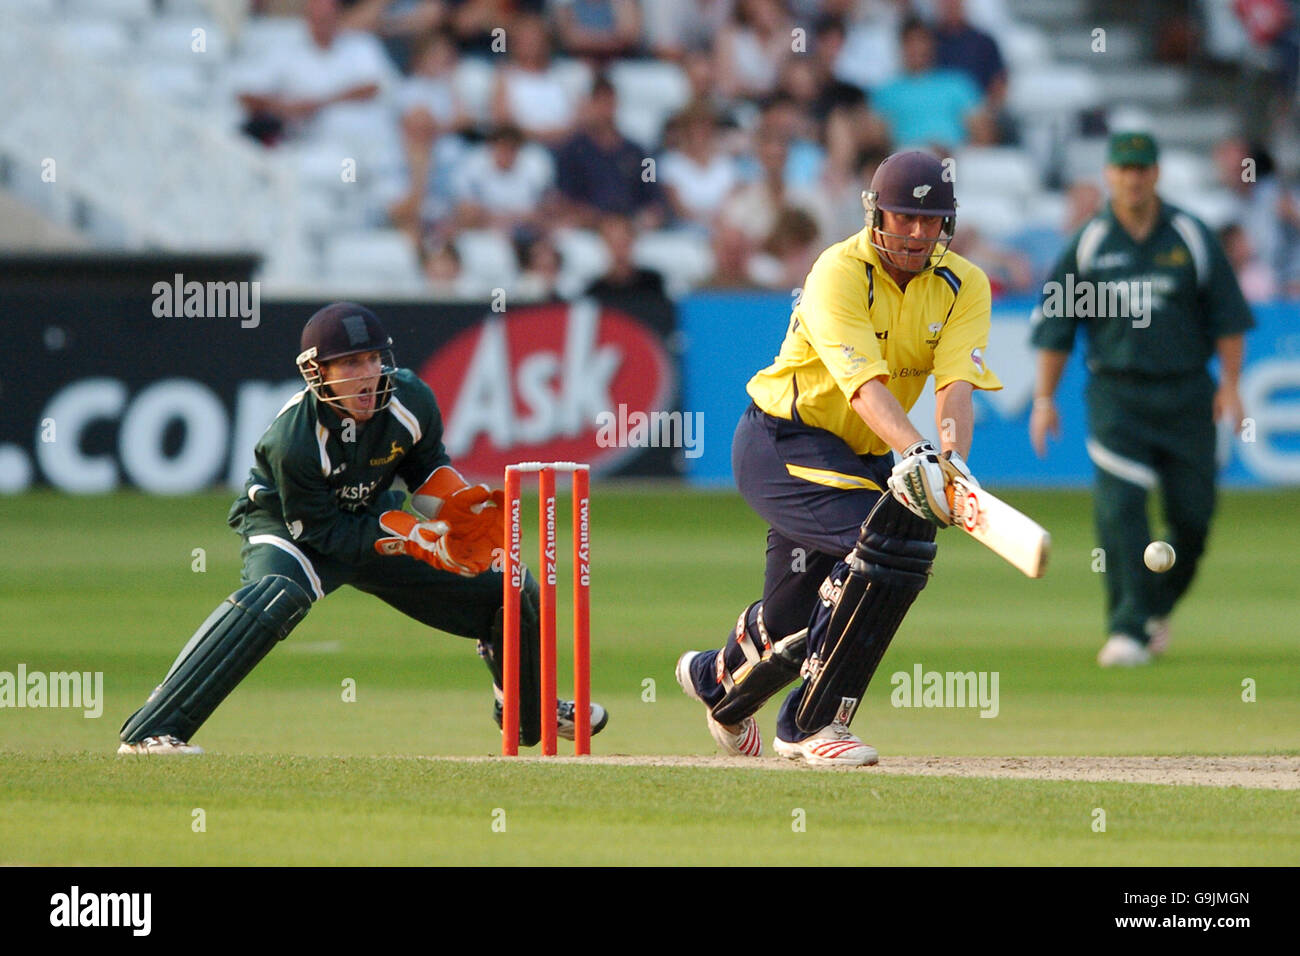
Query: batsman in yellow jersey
x=851, y=534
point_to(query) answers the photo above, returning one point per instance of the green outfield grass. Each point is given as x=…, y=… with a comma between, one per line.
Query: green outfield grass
x=295, y=774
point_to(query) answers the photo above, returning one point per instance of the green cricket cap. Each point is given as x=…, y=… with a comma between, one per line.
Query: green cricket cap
x=1132, y=149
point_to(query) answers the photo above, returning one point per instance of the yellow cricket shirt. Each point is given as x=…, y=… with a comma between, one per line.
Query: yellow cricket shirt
x=851, y=324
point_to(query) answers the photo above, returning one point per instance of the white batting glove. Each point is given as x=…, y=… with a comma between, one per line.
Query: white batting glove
x=954, y=467
x=917, y=481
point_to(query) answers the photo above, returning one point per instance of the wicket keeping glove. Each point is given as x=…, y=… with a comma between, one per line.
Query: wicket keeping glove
x=472, y=511
x=430, y=542
x=917, y=481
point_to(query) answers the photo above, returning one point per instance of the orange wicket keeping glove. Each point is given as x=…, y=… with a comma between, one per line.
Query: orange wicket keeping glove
x=427, y=541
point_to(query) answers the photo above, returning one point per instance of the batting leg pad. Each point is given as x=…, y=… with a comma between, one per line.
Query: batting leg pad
x=225, y=648
x=492, y=650
x=863, y=602
x=751, y=668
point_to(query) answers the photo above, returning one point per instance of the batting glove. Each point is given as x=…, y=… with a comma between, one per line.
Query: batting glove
x=955, y=468
x=917, y=481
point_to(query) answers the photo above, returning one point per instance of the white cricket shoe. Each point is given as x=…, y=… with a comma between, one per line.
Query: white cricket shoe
x=564, y=718
x=1157, y=635
x=166, y=744
x=832, y=746
x=742, y=739
x=1123, y=651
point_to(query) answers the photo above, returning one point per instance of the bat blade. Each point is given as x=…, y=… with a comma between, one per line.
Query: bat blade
x=1002, y=529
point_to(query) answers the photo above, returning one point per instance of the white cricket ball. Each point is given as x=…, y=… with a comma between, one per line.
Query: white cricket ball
x=1159, y=556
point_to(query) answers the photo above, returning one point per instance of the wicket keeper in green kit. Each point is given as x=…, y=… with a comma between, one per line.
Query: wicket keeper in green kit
x=1153, y=288
x=318, y=511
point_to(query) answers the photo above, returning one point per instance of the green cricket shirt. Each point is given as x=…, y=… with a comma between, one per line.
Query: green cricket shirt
x=326, y=491
x=1152, y=308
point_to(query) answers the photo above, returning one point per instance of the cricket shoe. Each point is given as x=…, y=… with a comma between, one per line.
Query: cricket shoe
x=566, y=710
x=1157, y=635
x=832, y=746
x=1123, y=651
x=166, y=744
x=742, y=739
x=564, y=713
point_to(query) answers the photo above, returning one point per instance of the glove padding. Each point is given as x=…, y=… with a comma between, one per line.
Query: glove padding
x=432, y=543
x=917, y=481
x=955, y=467
x=472, y=511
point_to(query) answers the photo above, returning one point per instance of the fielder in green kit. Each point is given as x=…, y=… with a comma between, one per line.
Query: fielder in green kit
x=1152, y=287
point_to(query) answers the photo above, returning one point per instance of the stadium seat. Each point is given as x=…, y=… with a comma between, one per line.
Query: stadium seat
x=649, y=93
x=1001, y=170
x=574, y=75
x=1052, y=88
x=487, y=260
x=173, y=39
x=584, y=258
x=123, y=11
x=993, y=215
x=31, y=9
x=180, y=82
x=684, y=259
x=473, y=82
x=103, y=40
x=1024, y=46
x=261, y=36
x=378, y=260
x=1183, y=172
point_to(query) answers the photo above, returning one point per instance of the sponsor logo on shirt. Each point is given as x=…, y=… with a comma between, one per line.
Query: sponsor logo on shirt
x=395, y=450
x=853, y=360
x=1177, y=256
x=1111, y=260
x=977, y=359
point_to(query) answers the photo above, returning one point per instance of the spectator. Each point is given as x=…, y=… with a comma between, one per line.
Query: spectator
x=428, y=98
x=623, y=276
x=503, y=184
x=851, y=161
x=1258, y=282
x=927, y=106
x=326, y=88
x=600, y=171
x=754, y=207
x=674, y=28
x=598, y=30
x=541, y=268
x=782, y=117
x=397, y=22
x=788, y=253
x=529, y=92
x=698, y=175
x=442, y=269
x=1265, y=207
x=961, y=46
x=1009, y=272
x=753, y=47
x=476, y=23
x=869, y=55
x=831, y=91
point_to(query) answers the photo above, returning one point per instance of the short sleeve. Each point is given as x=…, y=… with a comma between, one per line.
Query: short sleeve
x=835, y=317
x=959, y=355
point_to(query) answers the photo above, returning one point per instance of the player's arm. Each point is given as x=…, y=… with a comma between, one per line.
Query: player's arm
x=312, y=515
x=1043, y=417
x=954, y=416
x=1227, y=399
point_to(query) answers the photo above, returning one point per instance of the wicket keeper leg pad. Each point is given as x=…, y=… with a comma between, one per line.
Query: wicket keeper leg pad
x=759, y=668
x=863, y=602
x=492, y=650
x=229, y=644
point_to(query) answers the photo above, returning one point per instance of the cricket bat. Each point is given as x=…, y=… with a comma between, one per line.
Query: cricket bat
x=999, y=527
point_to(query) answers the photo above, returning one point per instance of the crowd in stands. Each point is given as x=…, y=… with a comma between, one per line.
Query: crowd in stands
x=510, y=118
